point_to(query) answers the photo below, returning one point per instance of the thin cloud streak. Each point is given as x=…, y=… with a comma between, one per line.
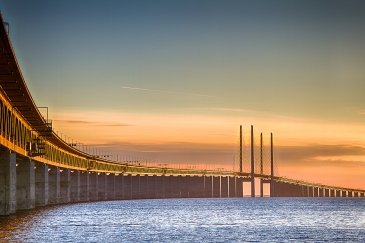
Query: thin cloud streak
x=167, y=91
x=91, y=123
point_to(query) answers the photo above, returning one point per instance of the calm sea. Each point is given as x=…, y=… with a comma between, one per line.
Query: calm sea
x=192, y=220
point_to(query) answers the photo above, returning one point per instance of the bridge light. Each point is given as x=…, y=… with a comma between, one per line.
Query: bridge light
x=49, y=170
x=61, y=171
x=16, y=164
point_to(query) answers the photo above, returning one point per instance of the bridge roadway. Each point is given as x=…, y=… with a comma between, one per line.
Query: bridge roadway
x=38, y=168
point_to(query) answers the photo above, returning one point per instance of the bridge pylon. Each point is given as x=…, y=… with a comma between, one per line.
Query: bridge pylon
x=252, y=165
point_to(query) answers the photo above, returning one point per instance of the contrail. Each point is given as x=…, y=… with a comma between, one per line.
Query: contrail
x=166, y=91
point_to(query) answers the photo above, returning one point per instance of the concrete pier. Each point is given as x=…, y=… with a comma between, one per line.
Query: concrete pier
x=110, y=188
x=168, y=187
x=239, y=186
x=41, y=184
x=102, y=186
x=84, y=186
x=216, y=185
x=224, y=186
x=75, y=186
x=207, y=186
x=93, y=186
x=65, y=186
x=25, y=184
x=118, y=190
x=7, y=182
x=127, y=186
x=232, y=186
x=159, y=187
x=315, y=192
x=135, y=186
x=54, y=185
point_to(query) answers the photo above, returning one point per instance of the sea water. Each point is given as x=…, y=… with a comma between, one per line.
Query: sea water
x=192, y=220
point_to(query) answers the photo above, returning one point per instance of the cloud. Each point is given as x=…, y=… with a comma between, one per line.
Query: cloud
x=91, y=123
x=230, y=109
x=166, y=91
x=311, y=151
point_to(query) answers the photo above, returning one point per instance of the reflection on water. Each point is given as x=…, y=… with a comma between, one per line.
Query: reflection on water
x=186, y=220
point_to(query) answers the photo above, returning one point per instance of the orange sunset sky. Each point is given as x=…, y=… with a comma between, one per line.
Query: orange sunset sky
x=171, y=81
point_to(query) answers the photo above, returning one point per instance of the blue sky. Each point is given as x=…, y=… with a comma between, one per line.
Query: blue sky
x=245, y=54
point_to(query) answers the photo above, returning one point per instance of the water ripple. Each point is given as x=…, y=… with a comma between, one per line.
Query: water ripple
x=192, y=220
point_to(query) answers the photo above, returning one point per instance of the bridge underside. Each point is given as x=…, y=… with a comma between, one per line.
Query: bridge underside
x=26, y=184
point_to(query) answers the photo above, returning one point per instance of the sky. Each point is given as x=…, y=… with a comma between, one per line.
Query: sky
x=171, y=81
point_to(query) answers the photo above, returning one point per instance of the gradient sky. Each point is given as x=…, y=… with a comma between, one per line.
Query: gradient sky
x=173, y=80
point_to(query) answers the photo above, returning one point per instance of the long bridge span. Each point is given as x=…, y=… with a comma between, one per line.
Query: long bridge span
x=38, y=168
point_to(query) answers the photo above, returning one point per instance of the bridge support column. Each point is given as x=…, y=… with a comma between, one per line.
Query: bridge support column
x=343, y=194
x=177, y=186
x=261, y=188
x=349, y=194
x=169, y=190
x=185, y=186
x=332, y=193
x=309, y=192
x=362, y=194
x=356, y=194
x=65, y=186
x=338, y=193
x=301, y=191
x=135, y=186
x=216, y=186
x=224, y=186
x=327, y=192
x=320, y=192
x=41, y=184
x=84, y=186
x=93, y=186
x=118, y=186
x=54, y=185
x=231, y=186
x=159, y=185
x=239, y=187
x=25, y=184
x=151, y=186
x=315, y=192
x=110, y=186
x=7, y=182
x=143, y=186
x=200, y=189
x=208, y=186
x=75, y=186
x=102, y=185
x=196, y=186
x=127, y=186
x=163, y=182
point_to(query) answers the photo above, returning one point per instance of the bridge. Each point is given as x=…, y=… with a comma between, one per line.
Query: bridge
x=38, y=167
